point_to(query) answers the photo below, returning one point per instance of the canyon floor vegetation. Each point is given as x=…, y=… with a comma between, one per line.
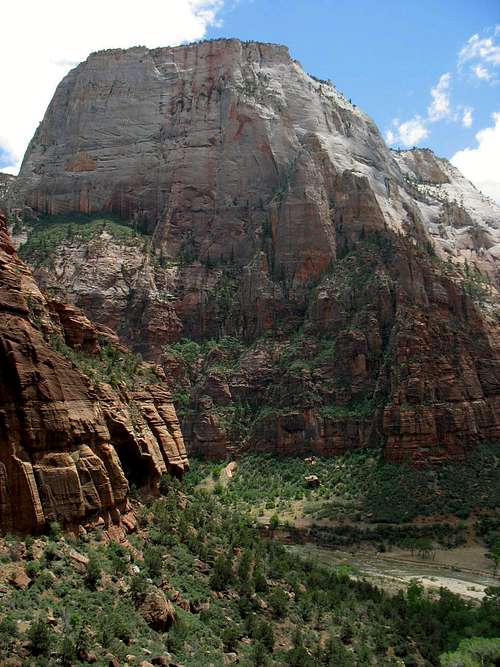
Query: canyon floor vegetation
x=199, y=583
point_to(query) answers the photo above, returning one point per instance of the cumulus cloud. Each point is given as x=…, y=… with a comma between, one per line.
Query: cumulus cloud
x=481, y=72
x=390, y=137
x=412, y=131
x=46, y=39
x=481, y=164
x=485, y=49
x=482, y=54
x=440, y=105
x=407, y=133
x=467, y=117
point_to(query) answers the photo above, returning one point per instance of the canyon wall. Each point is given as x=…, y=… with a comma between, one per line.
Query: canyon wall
x=245, y=225
x=71, y=445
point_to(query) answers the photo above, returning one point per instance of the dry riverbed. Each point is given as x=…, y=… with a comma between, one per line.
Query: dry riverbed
x=454, y=569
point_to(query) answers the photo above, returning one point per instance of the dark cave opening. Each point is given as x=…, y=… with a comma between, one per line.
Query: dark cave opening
x=137, y=467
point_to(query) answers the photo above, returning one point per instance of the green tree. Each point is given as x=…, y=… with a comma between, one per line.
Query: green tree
x=259, y=580
x=258, y=655
x=279, y=601
x=263, y=632
x=222, y=576
x=230, y=637
x=8, y=631
x=245, y=564
x=475, y=652
x=68, y=651
x=93, y=573
x=40, y=637
x=424, y=547
x=153, y=560
x=494, y=554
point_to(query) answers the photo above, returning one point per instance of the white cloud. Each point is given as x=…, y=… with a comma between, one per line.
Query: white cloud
x=485, y=49
x=483, y=54
x=408, y=133
x=467, y=117
x=46, y=39
x=390, y=137
x=440, y=105
x=481, y=72
x=411, y=132
x=481, y=165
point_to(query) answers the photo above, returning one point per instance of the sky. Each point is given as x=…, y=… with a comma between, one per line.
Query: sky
x=427, y=72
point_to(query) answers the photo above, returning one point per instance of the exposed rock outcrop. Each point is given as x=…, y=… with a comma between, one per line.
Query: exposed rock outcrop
x=70, y=447
x=359, y=283
x=464, y=224
x=7, y=182
x=157, y=611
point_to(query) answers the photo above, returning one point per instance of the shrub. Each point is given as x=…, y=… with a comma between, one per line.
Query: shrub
x=40, y=637
x=475, y=652
x=33, y=568
x=259, y=581
x=258, y=655
x=153, y=560
x=8, y=631
x=50, y=552
x=118, y=557
x=299, y=657
x=278, y=601
x=244, y=565
x=55, y=529
x=263, y=632
x=93, y=572
x=222, y=575
x=230, y=637
x=138, y=587
x=116, y=623
x=68, y=651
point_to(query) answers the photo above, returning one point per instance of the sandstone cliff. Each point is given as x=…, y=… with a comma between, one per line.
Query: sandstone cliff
x=71, y=444
x=340, y=295
x=7, y=185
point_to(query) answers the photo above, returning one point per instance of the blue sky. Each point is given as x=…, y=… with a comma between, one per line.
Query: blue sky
x=427, y=71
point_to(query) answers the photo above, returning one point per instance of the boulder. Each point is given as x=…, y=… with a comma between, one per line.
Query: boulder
x=157, y=611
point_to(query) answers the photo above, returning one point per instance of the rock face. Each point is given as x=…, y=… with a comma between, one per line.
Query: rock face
x=70, y=447
x=6, y=185
x=340, y=295
x=464, y=224
x=157, y=611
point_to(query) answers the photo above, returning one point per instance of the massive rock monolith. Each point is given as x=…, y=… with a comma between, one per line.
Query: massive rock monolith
x=358, y=285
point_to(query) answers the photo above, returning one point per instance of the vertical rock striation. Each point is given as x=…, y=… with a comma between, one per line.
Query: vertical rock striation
x=69, y=447
x=360, y=283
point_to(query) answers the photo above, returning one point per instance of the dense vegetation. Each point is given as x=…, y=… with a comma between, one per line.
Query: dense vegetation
x=111, y=364
x=299, y=360
x=361, y=486
x=232, y=593
x=49, y=232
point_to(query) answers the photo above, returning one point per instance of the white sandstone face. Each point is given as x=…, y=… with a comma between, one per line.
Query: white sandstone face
x=209, y=142
x=464, y=223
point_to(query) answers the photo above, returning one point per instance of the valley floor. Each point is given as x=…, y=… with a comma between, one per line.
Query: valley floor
x=462, y=566
x=451, y=569
x=203, y=580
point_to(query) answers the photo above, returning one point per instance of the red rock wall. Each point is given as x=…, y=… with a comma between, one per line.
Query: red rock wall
x=65, y=445
x=276, y=208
